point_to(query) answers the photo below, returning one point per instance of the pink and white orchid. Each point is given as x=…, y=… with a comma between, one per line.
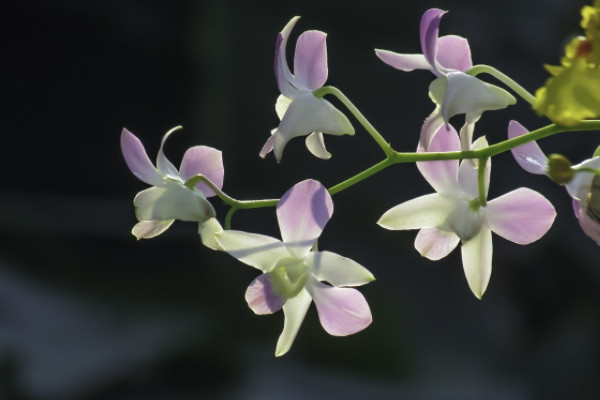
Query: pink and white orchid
x=580, y=187
x=169, y=198
x=300, y=112
x=455, y=214
x=453, y=91
x=293, y=270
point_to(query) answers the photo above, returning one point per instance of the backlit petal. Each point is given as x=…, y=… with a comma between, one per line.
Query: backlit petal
x=165, y=167
x=315, y=143
x=260, y=297
x=337, y=270
x=150, y=229
x=430, y=128
x=258, y=251
x=295, y=311
x=429, y=29
x=268, y=146
x=310, y=59
x=307, y=114
x=283, y=75
x=442, y=175
x=403, y=62
x=435, y=244
x=529, y=155
x=521, y=216
x=281, y=105
x=342, y=311
x=207, y=232
x=302, y=213
x=137, y=160
x=172, y=201
x=459, y=93
x=205, y=161
x=477, y=261
x=427, y=211
x=454, y=53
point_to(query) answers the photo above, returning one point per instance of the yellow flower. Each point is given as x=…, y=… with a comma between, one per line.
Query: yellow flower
x=572, y=93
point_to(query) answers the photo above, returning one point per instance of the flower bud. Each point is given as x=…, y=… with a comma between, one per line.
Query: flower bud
x=559, y=169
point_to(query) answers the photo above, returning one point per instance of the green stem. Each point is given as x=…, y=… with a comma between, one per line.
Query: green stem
x=402, y=158
x=385, y=146
x=481, y=181
x=229, y=216
x=518, y=89
x=361, y=176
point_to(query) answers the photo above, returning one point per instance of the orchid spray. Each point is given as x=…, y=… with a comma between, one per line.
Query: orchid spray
x=293, y=271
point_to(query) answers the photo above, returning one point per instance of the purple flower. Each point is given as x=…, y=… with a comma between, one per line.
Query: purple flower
x=582, y=186
x=294, y=271
x=453, y=91
x=169, y=198
x=455, y=214
x=300, y=112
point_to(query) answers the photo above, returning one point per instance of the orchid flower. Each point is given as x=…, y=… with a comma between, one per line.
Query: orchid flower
x=582, y=186
x=453, y=91
x=169, y=198
x=300, y=112
x=293, y=270
x=456, y=214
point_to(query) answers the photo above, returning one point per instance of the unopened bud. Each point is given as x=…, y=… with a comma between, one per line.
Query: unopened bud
x=559, y=169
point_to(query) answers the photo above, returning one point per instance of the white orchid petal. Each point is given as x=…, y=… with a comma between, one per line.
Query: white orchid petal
x=529, y=155
x=302, y=212
x=521, y=216
x=285, y=80
x=403, y=62
x=172, y=201
x=337, y=270
x=165, y=167
x=260, y=296
x=432, y=125
x=268, y=146
x=258, y=251
x=459, y=93
x=427, y=211
x=205, y=161
x=315, y=143
x=454, y=53
x=150, y=229
x=435, y=244
x=207, y=232
x=477, y=261
x=342, y=311
x=307, y=114
x=281, y=105
x=295, y=311
x=310, y=59
x=441, y=175
x=137, y=159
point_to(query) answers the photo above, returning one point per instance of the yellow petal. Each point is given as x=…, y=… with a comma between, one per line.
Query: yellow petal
x=572, y=95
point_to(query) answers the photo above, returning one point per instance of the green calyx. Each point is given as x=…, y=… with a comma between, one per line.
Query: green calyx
x=288, y=277
x=559, y=169
x=475, y=204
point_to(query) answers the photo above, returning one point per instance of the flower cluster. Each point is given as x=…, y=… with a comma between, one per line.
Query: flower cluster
x=293, y=271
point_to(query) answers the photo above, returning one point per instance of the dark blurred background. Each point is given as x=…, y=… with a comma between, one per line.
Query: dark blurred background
x=87, y=312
